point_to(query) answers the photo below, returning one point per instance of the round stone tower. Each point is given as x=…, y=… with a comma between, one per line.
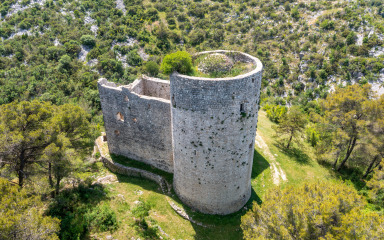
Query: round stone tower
x=214, y=127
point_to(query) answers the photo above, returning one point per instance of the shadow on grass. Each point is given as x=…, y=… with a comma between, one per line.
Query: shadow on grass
x=295, y=153
x=219, y=227
x=259, y=164
x=72, y=205
x=349, y=174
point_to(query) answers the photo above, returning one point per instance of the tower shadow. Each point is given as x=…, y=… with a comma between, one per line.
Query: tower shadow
x=259, y=164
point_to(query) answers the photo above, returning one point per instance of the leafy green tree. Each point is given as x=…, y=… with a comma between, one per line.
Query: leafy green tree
x=292, y=124
x=21, y=216
x=180, y=62
x=318, y=210
x=347, y=115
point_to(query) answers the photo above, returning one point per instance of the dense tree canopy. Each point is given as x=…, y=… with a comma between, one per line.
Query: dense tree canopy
x=350, y=114
x=39, y=133
x=312, y=211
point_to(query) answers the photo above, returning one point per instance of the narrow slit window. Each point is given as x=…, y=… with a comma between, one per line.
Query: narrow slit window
x=120, y=117
x=173, y=101
x=242, y=108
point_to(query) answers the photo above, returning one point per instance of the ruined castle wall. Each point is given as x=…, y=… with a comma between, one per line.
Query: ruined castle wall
x=214, y=127
x=156, y=88
x=137, y=126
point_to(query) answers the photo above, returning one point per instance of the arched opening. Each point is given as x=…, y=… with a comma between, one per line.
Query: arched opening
x=120, y=117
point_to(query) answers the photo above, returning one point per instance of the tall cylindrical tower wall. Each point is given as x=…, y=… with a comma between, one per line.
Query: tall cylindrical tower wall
x=214, y=127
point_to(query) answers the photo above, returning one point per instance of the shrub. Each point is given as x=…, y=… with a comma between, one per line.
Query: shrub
x=133, y=58
x=180, y=62
x=197, y=37
x=88, y=40
x=54, y=53
x=327, y=24
x=152, y=68
x=103, y=218
x=72, y=48
x=65, y=61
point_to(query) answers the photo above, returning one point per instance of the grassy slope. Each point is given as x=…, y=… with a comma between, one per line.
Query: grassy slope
x=299, y=166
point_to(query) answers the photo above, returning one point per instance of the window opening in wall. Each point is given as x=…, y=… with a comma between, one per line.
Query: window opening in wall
x=173, y=101
x=194, y=152
x=120, y=117
x=117, y=132
x=242, y=109
x=253, y=80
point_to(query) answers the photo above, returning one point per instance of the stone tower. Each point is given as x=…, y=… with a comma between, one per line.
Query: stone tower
x=213, y=132
x=200, y=129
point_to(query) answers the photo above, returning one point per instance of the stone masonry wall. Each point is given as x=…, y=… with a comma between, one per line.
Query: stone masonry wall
x=214, y=127
x=200, y=129
x=138, y=126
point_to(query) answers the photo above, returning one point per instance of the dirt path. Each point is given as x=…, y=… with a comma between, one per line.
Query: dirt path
x=278, y=174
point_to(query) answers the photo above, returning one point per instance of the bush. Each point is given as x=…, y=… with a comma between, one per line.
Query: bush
x=103, y=218
x=133, y=58
x=327, y=24
x=72, y=48
x=180, y=62
x=88, y=40
x=275, y=112
x=65, y=61
x=152, y=68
